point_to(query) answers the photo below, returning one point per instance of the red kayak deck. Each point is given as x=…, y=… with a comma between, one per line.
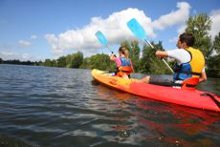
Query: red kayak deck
x=188, y=97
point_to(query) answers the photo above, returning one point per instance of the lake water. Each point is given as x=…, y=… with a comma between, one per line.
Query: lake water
x=42, y=106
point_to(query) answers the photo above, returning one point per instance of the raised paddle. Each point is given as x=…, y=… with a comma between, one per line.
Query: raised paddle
x=102, y=39
x=140, y=33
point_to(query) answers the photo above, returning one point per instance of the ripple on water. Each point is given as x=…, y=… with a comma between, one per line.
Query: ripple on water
x=43, y=106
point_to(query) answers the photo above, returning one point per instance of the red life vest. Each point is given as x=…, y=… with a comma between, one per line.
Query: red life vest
x=124, y=70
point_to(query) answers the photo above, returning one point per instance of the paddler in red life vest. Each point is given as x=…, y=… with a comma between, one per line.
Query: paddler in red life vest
x=190, y=63
x=124, y=65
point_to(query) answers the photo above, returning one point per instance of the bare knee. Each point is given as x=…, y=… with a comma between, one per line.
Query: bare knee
x=125, y=76
x=146, y=79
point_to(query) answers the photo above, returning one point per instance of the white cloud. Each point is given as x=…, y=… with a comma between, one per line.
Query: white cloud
x=181, y=29
x=9, y=55
x=215, y=17
x=173, y=40
x=24, y=43
x=175, y=17
x=114, y=28
x=33, y=37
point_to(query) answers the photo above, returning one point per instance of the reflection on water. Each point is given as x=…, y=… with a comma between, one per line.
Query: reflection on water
x=6, y=141
x=177, y=125
x=42, y=106
x=159, y=124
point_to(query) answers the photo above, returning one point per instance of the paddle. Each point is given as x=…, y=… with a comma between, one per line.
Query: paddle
x=216, y=101
x=102, y=39
x=140, y=33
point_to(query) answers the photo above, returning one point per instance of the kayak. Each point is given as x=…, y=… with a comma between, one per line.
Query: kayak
x=190, y=97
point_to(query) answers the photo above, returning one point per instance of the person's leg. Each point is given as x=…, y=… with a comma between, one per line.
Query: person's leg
x=143, y=80
x=157, y=80
x=146, y=79
x=125, y=76
x=160, y=80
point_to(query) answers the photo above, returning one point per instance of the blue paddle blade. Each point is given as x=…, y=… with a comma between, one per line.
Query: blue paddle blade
x=137, y=29
x=101, y=38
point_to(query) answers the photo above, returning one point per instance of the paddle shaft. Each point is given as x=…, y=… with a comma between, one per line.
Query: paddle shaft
x=109, y=49
x=102, y=39
x=162, y=59
x=139, y=32
x=213, y=98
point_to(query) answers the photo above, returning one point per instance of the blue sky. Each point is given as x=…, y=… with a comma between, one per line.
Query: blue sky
x=40, y=29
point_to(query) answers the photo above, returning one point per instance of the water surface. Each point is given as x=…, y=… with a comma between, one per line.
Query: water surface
x=42, y=106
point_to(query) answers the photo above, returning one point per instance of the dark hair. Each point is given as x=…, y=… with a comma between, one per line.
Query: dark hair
x=187, y=38
x=122, y=49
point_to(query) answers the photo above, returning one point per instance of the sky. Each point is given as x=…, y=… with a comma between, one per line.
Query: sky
x=48, y=29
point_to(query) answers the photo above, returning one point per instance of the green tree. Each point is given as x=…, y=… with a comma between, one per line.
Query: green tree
x=214, y=66
x=85, y=63
x=98, y=61
x=69, y=60
x=214, y=60
x=200, y=25
x=135, y=55
x=150, y=63
x=61, y=61
x=77, y=60
x=216, y=44
x=48, y=62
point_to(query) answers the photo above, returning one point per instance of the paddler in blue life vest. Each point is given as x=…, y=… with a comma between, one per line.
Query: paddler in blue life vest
x=190, y=62
x=124, y=65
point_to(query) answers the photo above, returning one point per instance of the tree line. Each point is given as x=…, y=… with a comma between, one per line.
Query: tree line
x=143, y=57
x=18, y=62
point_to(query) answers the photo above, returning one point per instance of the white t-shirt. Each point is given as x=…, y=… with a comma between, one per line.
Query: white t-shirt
x=181, y=55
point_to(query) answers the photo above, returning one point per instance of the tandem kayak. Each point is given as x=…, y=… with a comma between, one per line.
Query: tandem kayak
x=190, y=97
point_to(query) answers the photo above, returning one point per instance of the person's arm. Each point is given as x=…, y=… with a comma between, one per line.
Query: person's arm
x=116, y=60
x=203, y=76
x=161, y=54
x=112, y=57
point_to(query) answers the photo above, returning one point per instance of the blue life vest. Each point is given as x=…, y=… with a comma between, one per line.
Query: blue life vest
x=182, y=71
x=125, y=61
